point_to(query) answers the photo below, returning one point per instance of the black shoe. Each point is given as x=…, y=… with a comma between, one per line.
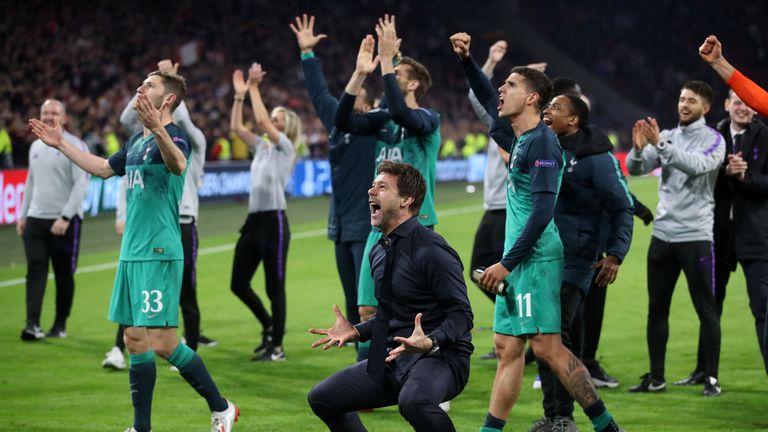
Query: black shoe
x=695, y=378
x=649, y=385
x=206, y=341
x=489, y=356
x=564, y=424
x=711, y=387
x=56, y=332
x=600, y=377
x=32, y=333
x=266, y=341
x=271, y=354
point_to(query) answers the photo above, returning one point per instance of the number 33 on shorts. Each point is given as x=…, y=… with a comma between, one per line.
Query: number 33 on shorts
x=151, y=301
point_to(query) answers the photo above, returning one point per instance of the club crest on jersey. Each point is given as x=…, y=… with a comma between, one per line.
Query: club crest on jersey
x=544, y=163
x=135, y=180
x=390, y=153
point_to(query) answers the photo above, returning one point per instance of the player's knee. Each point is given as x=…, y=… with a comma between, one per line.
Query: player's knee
x=544, y=350
x=413, y=404
x=318, y=399
x=162, y=350
x=134, y=344
x=507, y=351
x=238, y=286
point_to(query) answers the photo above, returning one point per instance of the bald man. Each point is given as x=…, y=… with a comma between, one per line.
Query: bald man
x=50, y=224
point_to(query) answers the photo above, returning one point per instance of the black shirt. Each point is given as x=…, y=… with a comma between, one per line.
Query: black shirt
x=427, y=278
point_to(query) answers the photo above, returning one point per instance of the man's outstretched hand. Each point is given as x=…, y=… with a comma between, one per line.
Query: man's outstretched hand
x=51, y=136
x=340, y=333
x=417, y=342
x=366, y=62
x=305, y=33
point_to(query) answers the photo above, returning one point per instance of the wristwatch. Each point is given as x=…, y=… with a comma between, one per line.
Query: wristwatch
x=435, y=345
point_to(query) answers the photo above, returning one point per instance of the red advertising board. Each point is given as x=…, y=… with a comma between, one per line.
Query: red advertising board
x=11, y=193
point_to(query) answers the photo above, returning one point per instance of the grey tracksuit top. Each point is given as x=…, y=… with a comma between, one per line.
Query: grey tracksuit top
x=689, y=157
x=55, y=185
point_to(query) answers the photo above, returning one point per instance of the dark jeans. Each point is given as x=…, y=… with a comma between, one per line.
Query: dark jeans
x=431, y=381
x=557, y=401
x=665, y=262
x=591, y=316
x=188, y=299
x=488, y=248
x=756, y=274
x=264, y=237
x=40, y=247
x=349, y=258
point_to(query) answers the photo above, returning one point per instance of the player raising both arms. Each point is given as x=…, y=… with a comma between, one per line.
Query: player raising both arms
x=145, y=297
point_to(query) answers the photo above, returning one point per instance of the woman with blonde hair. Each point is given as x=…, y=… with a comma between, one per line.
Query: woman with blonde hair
x=265, y=234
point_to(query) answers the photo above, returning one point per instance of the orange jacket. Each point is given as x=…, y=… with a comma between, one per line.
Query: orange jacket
x=752, y=94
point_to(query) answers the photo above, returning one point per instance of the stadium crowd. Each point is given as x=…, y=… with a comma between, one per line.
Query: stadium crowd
x=90, y=61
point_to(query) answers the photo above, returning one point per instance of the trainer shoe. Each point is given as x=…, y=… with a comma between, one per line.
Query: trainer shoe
x=206, y=341
x=271, y=354
x=600, y=377
x=266, y=341
x=649, y=385
x=564, y=424
x=130, y=429
x=56, y=332
x=542, y=425
x=695, y=378
x=711, y=387
x=224, y=421
x=445, y=406
x=32, y=333
x=537, y=382
x=114, y=359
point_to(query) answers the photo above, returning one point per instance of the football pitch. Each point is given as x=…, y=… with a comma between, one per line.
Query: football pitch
x=58, y=385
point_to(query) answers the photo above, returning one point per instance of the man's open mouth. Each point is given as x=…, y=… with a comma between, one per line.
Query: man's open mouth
x=375, y=208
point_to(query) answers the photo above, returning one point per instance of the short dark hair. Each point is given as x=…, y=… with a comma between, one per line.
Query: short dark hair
x=419, y=73
x=702, y=89
x=537, y=82
x=563, y=85
x=172, y=83
x=410, y=182
x=580, y=109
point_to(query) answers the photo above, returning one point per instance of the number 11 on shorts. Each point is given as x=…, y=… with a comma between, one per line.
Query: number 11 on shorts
x=527, y=309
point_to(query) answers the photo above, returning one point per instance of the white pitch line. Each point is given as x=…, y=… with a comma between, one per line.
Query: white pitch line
x=228, y=247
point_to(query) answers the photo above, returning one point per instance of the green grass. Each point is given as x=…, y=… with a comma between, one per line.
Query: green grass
x=58, y=385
